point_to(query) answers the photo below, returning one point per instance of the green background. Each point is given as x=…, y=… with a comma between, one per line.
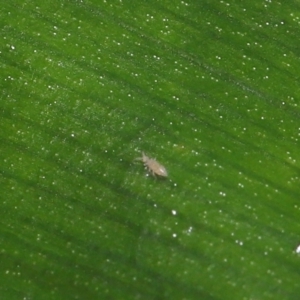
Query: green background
x=210, y=89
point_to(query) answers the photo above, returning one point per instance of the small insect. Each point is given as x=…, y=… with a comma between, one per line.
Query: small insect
x=153, y=166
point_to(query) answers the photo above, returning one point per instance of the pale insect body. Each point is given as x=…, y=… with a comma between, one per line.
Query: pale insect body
x=153, y=166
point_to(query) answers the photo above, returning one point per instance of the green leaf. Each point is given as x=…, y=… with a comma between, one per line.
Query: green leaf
x=210, y=90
